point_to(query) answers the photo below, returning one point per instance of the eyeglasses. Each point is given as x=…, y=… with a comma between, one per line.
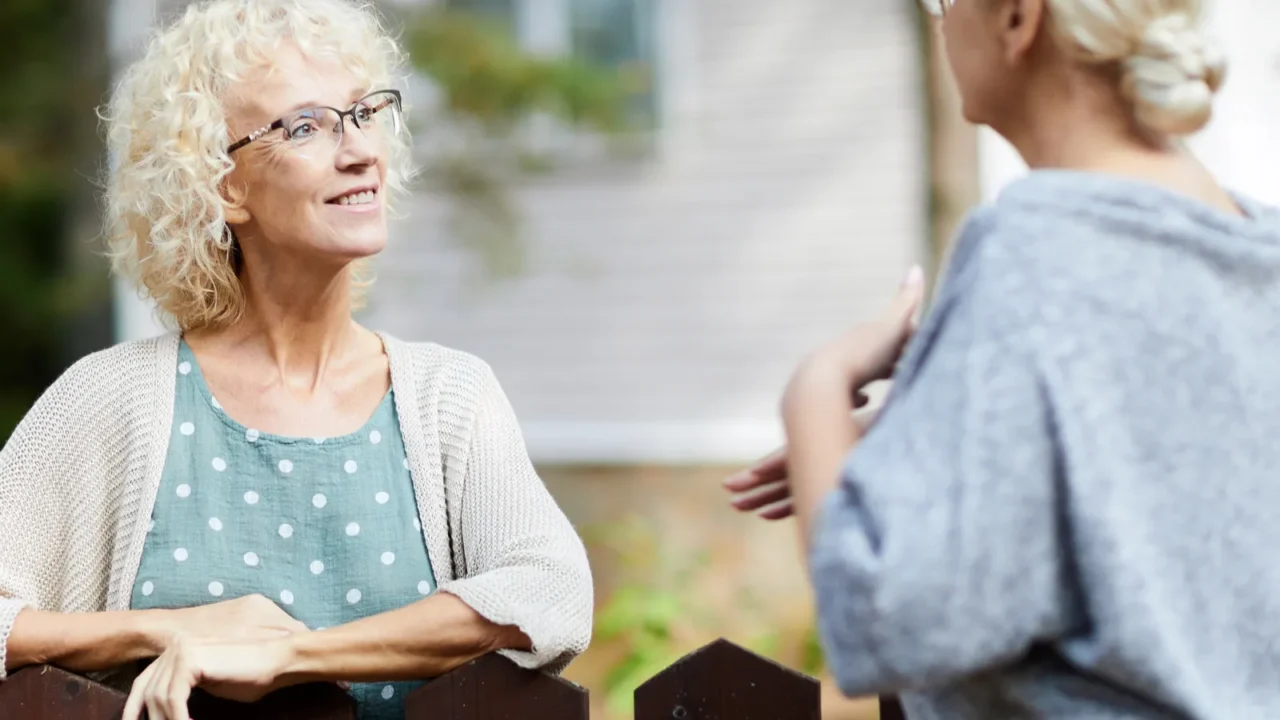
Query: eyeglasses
x=937, y=8
x=379, y=111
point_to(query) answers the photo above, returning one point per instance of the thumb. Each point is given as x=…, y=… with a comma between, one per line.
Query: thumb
x=905, y=310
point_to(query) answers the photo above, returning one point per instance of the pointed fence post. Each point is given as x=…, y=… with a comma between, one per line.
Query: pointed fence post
x=494, y=688
x=43, y=692
x=313, y=701
x=891, y=708
x=723, y=681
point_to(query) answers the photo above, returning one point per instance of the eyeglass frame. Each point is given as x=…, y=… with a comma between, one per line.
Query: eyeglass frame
x=342, y=118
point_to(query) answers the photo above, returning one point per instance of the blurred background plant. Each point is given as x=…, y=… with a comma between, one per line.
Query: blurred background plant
x=500, y=113
x=658, y=611
x=52, y=286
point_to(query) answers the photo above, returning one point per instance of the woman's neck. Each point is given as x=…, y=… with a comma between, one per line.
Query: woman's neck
x=1092, y=134
x=298, y=323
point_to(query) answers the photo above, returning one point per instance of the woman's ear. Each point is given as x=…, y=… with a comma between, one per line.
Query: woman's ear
x=1020, y=24
x=233, y=209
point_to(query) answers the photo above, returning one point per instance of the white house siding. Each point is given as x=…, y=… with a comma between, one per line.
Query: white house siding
x=666, y=300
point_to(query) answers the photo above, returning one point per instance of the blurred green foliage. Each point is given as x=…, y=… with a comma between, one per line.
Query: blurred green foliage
x=657, y=616
x=503, y=114
x=37, y=117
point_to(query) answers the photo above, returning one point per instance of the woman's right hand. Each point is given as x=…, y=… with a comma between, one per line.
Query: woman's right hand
x=765, y=488
x=250, y=617
x=93, y=641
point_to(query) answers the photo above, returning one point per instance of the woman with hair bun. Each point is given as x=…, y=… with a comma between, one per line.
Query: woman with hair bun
x=1067, y=506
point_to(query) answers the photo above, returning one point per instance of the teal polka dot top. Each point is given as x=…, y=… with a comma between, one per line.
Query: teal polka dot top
x=326, y=527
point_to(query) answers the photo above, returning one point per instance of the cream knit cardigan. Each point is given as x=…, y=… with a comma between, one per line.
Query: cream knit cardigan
x=78, y=480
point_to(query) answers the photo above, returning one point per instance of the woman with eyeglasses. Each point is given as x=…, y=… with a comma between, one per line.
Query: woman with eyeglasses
x=1067, y=506
x=273, y=494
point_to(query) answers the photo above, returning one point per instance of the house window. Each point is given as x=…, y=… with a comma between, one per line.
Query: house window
x=614, y=34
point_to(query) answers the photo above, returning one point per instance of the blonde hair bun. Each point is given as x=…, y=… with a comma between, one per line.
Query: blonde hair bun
x=1172, y=76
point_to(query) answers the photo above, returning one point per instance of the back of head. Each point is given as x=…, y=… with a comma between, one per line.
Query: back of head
x=1168, y=70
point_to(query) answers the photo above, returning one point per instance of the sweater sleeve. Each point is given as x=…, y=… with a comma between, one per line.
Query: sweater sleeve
x=31, y=512
x=522, y=562
x=939, y=553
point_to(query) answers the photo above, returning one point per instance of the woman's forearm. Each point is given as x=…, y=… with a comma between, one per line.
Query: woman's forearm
x=820, y=428
x=422, y=640
x=86, y=642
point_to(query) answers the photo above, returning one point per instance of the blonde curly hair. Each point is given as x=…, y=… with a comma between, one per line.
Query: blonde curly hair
x=167, y=134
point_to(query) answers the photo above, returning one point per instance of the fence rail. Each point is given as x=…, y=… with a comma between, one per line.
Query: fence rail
x=720, y=681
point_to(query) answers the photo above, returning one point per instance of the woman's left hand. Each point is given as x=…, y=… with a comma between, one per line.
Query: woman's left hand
x=870, y=351
x=243, y=671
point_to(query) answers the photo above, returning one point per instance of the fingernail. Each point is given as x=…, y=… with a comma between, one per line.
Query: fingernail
x=915, y=277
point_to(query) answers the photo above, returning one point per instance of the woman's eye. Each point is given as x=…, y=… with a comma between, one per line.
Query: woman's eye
x=303, y=130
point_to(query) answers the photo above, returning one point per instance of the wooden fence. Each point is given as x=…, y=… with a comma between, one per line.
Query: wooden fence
x=718, y=682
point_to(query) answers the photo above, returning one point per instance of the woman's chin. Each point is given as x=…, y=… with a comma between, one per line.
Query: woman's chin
x=350, y=249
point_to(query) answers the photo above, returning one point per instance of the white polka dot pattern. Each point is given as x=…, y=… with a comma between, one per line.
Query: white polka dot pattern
x=286, y=531
x=215, y=524
x=219, y=464
x=353, y=596
x=215, y=588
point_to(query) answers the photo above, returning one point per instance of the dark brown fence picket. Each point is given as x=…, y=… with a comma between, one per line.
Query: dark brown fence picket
x=44, y=692
x=494, y=688
x=891, y=709
x=318, y=701
x=721, y=681
x=47, y=693
x=725, y=682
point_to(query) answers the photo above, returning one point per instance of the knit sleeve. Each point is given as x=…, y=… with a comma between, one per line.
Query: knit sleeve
x=522, y=562
x=70, y=484
x=32, y=511
x=939, y=554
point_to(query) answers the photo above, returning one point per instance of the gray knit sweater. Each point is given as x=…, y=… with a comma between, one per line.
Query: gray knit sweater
x=1070, y=506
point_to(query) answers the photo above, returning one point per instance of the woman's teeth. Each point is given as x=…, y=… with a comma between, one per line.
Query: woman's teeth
x=360, y=198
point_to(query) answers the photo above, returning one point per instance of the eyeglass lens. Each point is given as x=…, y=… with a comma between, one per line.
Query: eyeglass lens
x=378, y=113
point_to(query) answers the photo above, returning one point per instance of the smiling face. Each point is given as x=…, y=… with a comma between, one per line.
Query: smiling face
x=300, y=192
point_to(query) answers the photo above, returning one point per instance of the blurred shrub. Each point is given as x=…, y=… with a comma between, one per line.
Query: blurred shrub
x=37, y=115
x=501, y=113
x=656, y=614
